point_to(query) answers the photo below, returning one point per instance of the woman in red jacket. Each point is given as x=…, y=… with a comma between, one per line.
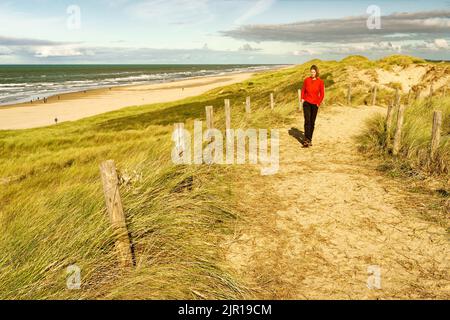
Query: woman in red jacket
x=313, y=92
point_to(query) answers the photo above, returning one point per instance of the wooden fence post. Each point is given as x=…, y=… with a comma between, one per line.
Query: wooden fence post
x=209, y=117
x=248, y=105
x=115, y=210
x=431, y=91
x=408, y=100
x=397, y=97
x=374, y=95
x=418, y=92
x=210, y=121
x=398, y=131
x=180, y=143
x=300, y=100
x=444, y=91
x=436, y=133
x=389, y=117
x=272, y=101
x=349, y=95
x=227, y=114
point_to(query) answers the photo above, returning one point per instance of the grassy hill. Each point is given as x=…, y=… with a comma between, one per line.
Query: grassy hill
x=52, y=211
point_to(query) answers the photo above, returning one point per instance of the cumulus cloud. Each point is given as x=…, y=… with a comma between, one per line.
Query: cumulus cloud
x=401, y=26
x=39, y=48
x=248, y=47
x=441, y=43
x=39, y=51
x=378, y=49
x=9, y=41
x=58, y=51
x=5, y=51
x=306, y=51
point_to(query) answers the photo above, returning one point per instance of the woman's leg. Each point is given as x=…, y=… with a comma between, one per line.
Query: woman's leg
x=307, y=116
x=313, y=115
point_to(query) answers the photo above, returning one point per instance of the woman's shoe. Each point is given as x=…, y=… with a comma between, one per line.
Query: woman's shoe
x=308, y=142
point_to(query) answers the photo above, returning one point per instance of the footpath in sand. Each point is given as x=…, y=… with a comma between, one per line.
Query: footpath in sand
x=328, y=219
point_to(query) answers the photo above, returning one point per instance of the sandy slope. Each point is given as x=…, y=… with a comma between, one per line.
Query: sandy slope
x=408, y=77
x=318, y=226
x=81, y=105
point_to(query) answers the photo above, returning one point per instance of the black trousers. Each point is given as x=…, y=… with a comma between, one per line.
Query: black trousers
x=310, y=113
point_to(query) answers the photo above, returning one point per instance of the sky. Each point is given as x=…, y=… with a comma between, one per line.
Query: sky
x=219, y=31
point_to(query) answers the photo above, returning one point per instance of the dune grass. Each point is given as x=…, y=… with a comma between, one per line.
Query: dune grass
x=54, y=216
x=52, y=211
x=414, y=156
x=413, y=167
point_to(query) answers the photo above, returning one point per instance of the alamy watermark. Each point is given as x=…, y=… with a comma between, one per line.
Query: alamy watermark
x=73, y=280
x=374, y=277
x=374, y=19
x=227, y=149
x=74, y=17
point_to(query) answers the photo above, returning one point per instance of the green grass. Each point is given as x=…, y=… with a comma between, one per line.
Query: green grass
x=399, y=60
x=414, y=156
x=52, y=211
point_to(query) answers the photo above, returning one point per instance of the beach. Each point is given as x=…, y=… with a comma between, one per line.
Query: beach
x=79, y=105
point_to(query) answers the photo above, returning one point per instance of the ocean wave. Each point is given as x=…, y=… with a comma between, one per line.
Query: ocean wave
x=55, y=84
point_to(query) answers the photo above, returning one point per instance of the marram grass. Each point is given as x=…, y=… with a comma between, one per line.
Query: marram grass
x=52, y=211
x=414, y=155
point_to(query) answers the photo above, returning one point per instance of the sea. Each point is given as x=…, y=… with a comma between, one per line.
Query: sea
x=24, y=83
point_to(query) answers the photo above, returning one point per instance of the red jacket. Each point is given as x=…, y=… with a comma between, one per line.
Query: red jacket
x=313, y=91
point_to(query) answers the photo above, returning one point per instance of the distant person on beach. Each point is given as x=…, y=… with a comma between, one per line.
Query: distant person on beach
x=313, y=92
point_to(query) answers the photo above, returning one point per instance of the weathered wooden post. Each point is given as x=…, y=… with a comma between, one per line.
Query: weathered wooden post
x=300, y=100
x=389, y=117
x=115, y=210
x=209, y=117
x=374, y=95
x=227, y=114
x=398, y=131
x=431, y=91
x=210, y=121
x=444, y=91
x=408, y=99
x=436, y=133
x=272, y=101
x=397, y=97
x=248, y=106
x=349, y=95
x=418, y=93
x=180, y=143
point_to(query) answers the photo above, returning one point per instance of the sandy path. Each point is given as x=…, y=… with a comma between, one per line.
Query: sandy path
x=319, y=225
x=81, y=105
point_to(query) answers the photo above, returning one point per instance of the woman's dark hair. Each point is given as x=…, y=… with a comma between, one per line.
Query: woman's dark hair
x=314, y=67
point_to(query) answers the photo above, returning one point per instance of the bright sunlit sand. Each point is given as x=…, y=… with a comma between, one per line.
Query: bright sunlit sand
x=75, y=106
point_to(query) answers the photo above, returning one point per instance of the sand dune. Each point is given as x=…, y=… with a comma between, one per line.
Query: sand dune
x=75, y=106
